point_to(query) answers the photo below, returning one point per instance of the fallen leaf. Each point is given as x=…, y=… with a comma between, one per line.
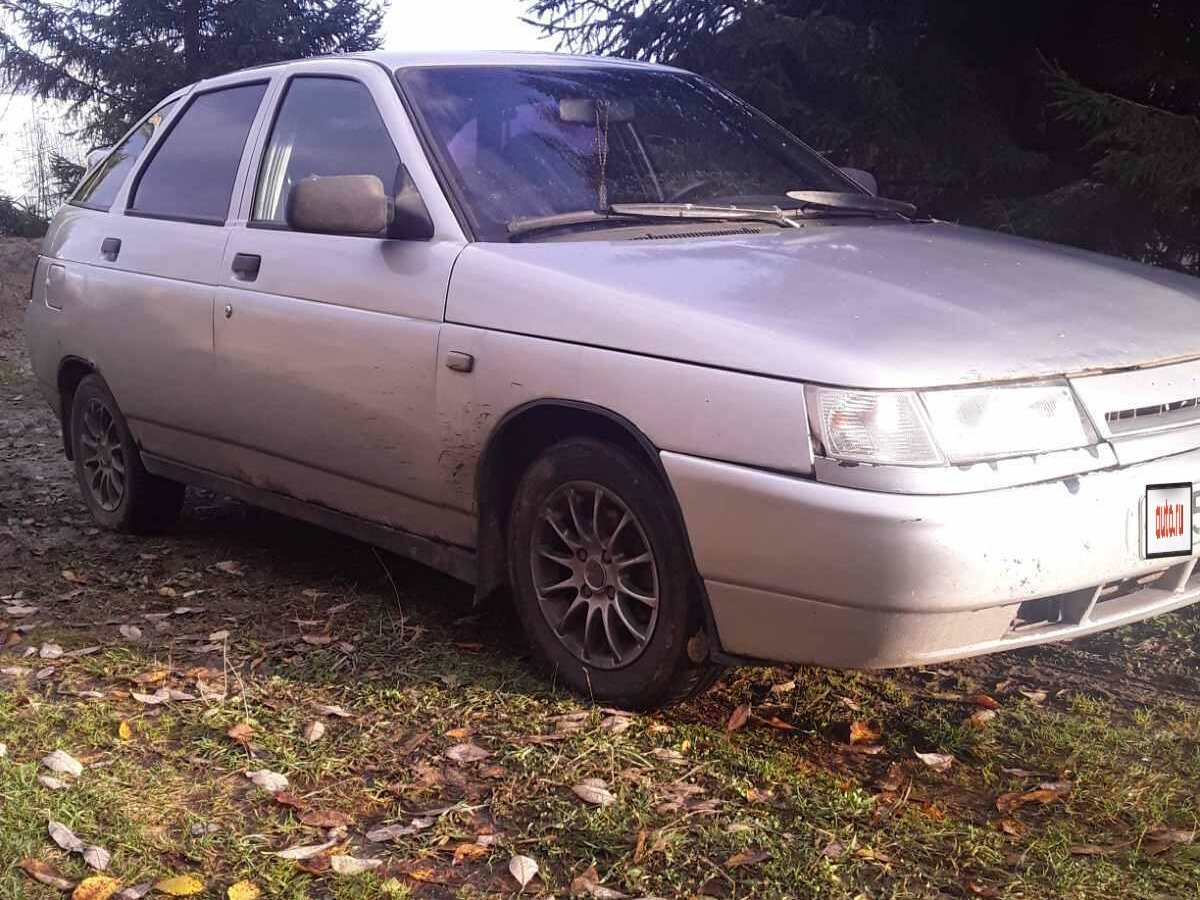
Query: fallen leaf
x=983, y=890
x=162, y=695
x=326, y=710
x=1033, y=696
x=130, y=632
x=939, y=762
x=304, y=851
x=124, y=731
x=749, y=858
x=470, y=851
x=1046, y=794
x=1170, y=835
x=313, y=731
x=588, y=884
x=985, y=701
x=230, y=567
x=50, y=651
x=20, y=612
x=243, y=890
x=1088, y=850
x=325, y=818
x=352, y=865
x=46, y=874
x=242, y=732
x=1012, y=827
x=268, y=780
x=51, y=783
x=65, y=837
x=863, y=733
x=522, y=868
x=467, y=753
x=594, y=791
x=668, y=755
x=833, y=850
x=981, y=718
x=63, y=763
x=95, y=887
x=776, y=723
x=738, y=718
x=894, y=779
x=397, y=831
x=180, y=886
x=96, y=857
x=317, y=640
x=135, y=892
x=71, y=578
x=616, y=723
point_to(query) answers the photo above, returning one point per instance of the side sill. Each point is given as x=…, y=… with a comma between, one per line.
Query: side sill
x=454, y=561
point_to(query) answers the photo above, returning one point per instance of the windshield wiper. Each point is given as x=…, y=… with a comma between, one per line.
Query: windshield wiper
x=865, y=203
x=618, y=213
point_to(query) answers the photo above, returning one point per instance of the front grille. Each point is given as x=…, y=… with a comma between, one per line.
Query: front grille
x=1159, y=415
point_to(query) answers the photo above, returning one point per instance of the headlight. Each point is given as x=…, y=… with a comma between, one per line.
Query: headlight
x=956, y=425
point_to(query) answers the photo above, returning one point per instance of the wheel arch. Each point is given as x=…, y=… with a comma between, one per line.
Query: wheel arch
x=518, y=439
x=71, y=371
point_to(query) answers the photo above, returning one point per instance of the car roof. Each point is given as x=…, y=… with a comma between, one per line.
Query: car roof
x=402, y=59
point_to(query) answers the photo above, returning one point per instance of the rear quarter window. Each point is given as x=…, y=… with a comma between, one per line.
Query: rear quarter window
x=99, y=189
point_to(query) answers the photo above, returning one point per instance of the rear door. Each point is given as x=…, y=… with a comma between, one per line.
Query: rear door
x=327, y=345
x=150, y=281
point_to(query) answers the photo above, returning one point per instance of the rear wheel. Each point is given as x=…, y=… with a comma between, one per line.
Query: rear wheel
x=119, y=492
x=602, y=579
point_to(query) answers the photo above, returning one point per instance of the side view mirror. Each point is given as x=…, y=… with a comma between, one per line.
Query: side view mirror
x=358, y=204
x=863, y=179
x=96, y=155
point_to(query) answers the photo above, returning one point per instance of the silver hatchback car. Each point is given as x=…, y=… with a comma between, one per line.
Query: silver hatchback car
x=599, y=333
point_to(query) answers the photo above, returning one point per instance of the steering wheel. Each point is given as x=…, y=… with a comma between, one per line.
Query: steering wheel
x=682, y=196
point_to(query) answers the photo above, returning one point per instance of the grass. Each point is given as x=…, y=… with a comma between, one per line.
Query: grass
x=814, y=809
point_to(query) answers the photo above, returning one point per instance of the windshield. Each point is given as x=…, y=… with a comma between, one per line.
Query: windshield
x=521, y=143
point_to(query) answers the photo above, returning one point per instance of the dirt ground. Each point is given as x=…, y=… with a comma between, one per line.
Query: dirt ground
x=1075, y=769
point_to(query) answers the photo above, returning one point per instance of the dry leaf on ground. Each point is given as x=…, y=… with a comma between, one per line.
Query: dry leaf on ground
x=136, y=892
x=522, y=868
x=46, y=874
x=325, y=818
x=243, y=890
x=63, y=763
x=939, y=762
x=738, y=718
x=305, y=851
x=467, y=753
x=352, y=865
x=268, y=780
x=242, y=732
x=1045, y=794
x=96, y=887
x=594, y=791
x=180, y=886
x=588, y=884
x=863, y=733
x=749, y=858
x=313, y=731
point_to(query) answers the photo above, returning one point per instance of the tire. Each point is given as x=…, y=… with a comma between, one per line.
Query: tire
x=584, y=607
x=119, y=492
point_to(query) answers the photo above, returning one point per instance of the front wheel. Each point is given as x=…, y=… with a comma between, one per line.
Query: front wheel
x=602, y=579
x=119, y=492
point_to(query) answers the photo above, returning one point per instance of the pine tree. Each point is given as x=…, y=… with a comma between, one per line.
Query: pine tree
x=954, y=105
x=112, y=60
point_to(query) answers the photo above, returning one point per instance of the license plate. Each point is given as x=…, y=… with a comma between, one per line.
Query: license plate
x=1168, y=520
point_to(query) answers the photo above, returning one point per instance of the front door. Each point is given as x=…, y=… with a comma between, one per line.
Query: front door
x=327, y=345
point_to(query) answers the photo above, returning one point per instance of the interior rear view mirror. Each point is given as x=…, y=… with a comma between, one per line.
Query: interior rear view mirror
x=583, y=111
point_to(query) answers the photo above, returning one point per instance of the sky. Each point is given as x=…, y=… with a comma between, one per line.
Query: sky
x=409, y=25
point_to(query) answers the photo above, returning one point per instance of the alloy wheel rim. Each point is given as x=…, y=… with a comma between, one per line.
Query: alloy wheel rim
x=103, y=456
x=594, y=575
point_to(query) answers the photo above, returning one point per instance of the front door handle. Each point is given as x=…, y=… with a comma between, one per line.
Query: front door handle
x=246, y=266
x=110, y=249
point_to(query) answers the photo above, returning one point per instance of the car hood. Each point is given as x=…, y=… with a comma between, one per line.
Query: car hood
x=860, y=304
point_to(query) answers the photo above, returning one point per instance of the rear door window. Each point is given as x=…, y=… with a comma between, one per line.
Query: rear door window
x=99, y=189
x=190, y=176
x=325, y=126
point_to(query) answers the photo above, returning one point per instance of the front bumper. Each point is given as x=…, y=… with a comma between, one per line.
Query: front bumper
x=799, y=571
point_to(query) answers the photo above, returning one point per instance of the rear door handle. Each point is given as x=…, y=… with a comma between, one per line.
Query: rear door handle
x=246, y=266
x=110, y=249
